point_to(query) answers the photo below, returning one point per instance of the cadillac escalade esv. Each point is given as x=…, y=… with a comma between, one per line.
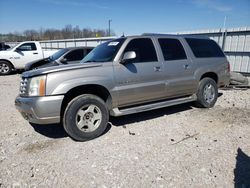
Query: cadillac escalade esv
x=124, y=76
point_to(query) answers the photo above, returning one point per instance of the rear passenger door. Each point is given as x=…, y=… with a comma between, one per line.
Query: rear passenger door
x=178, y=68
x=140, y=80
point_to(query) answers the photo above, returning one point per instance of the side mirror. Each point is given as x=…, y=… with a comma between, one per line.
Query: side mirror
x=128, y=56
x=17, y=50
x=63, y=61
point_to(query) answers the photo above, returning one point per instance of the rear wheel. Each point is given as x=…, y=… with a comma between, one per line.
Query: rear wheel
x=86, y=117
x=5, y=68
x=207, y=93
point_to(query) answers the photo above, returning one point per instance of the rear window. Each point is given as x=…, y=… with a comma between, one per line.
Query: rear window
x=203, y=48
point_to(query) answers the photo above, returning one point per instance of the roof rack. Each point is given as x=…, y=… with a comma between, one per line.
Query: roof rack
x=157, y=34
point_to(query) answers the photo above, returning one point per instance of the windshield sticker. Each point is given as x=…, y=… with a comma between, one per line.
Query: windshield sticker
x=113, y=43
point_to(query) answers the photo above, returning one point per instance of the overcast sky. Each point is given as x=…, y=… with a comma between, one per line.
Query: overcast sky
x=128, y=16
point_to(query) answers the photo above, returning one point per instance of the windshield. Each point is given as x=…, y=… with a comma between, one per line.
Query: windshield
x=58, y=54
x=104, y=52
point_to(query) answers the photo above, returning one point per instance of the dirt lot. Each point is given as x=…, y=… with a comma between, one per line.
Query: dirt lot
x=180, y=146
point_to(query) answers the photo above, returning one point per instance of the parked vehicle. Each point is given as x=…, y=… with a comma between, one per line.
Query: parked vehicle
x=17, y=57
x=63, y=56
x=124, y=76
x=3, y=46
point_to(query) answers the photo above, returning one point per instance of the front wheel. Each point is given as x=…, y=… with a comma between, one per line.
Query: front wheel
x=86, y=117
x=5, y=68
x=207, y=93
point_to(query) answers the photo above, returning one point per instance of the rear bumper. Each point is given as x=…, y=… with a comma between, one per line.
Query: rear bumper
x=40, y=110
x=224, y=80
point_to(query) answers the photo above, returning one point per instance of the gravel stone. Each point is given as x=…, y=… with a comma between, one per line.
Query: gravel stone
x=179, y=146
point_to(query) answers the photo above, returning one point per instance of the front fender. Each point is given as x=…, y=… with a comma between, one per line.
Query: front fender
x=67, y=85
x=61, y=82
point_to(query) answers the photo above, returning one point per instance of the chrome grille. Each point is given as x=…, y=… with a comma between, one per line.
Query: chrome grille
x=23, y=86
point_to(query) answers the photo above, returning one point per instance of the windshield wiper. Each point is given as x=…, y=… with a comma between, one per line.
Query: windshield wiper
x=89, y=61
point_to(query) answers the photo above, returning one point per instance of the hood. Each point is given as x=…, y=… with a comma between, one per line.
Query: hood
x=4, y=53
x=35, y=64
x=48, y=70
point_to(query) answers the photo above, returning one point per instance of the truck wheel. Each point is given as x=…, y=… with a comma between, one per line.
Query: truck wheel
x=86, y=117
x=5, y=68
x=207, y=93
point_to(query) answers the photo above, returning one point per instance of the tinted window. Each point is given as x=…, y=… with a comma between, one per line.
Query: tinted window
x=204, y=48
x=172, y=49
x=144, y=49
x=58, y=54
x=88, y=51
x=27, y=47
x=74, y=55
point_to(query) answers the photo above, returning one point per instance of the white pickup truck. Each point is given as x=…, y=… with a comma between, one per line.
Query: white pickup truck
x=18, y=56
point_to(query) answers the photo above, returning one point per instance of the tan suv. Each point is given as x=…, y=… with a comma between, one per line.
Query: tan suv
x=124, y=76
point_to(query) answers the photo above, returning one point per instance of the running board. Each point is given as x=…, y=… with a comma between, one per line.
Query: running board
x=142, y=108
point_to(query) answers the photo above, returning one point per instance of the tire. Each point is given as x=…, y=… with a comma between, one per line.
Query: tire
x=5, y=68
x=86, y=117
x=207, y=93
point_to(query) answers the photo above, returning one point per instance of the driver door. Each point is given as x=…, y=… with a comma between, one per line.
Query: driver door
x=26, y=53
x=140, y=80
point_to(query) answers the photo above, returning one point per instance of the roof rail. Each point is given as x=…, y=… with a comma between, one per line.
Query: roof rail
x=157, y=34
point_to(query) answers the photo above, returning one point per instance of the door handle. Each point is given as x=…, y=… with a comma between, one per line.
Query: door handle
x=186, y=66
x=157, y=69
x=35, y=53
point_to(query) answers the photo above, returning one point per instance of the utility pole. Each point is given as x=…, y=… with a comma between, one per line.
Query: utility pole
x=109, y=26
x=224, y=24
x=224, y=33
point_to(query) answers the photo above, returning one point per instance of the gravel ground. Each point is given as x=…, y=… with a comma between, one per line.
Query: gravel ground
x=180, y=146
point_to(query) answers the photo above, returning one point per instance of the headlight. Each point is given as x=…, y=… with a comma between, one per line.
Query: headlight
x=37, y=86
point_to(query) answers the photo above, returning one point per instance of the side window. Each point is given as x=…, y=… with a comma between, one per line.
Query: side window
x=27, y=47
x=172, y=49
x=87, y=51
x=204, y=48
x=75, y=55
x=144, y=49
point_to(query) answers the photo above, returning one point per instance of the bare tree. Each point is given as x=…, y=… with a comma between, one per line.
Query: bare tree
x=68, y=32
x=77, y=32
x=31, y=34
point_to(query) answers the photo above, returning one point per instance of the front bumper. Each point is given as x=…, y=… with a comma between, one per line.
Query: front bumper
x=40, y=110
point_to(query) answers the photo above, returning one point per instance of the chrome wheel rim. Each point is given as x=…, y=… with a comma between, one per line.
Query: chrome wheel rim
x=209, y=93
x=4, y=68
x=88, y=118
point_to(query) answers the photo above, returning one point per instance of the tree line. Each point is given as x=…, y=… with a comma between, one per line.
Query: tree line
x=68, y=32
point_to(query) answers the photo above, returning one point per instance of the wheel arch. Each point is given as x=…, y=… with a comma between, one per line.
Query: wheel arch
x=94, y=89
x=8, y=62
x=211, y=75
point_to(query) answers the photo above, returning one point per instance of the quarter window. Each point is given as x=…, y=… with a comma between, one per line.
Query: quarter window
x=203, y=48
x=144, y=49
x=172, y=49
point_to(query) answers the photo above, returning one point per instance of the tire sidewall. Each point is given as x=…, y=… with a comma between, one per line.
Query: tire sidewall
x=200, y=94
x=9, y=65
x=69, y=120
